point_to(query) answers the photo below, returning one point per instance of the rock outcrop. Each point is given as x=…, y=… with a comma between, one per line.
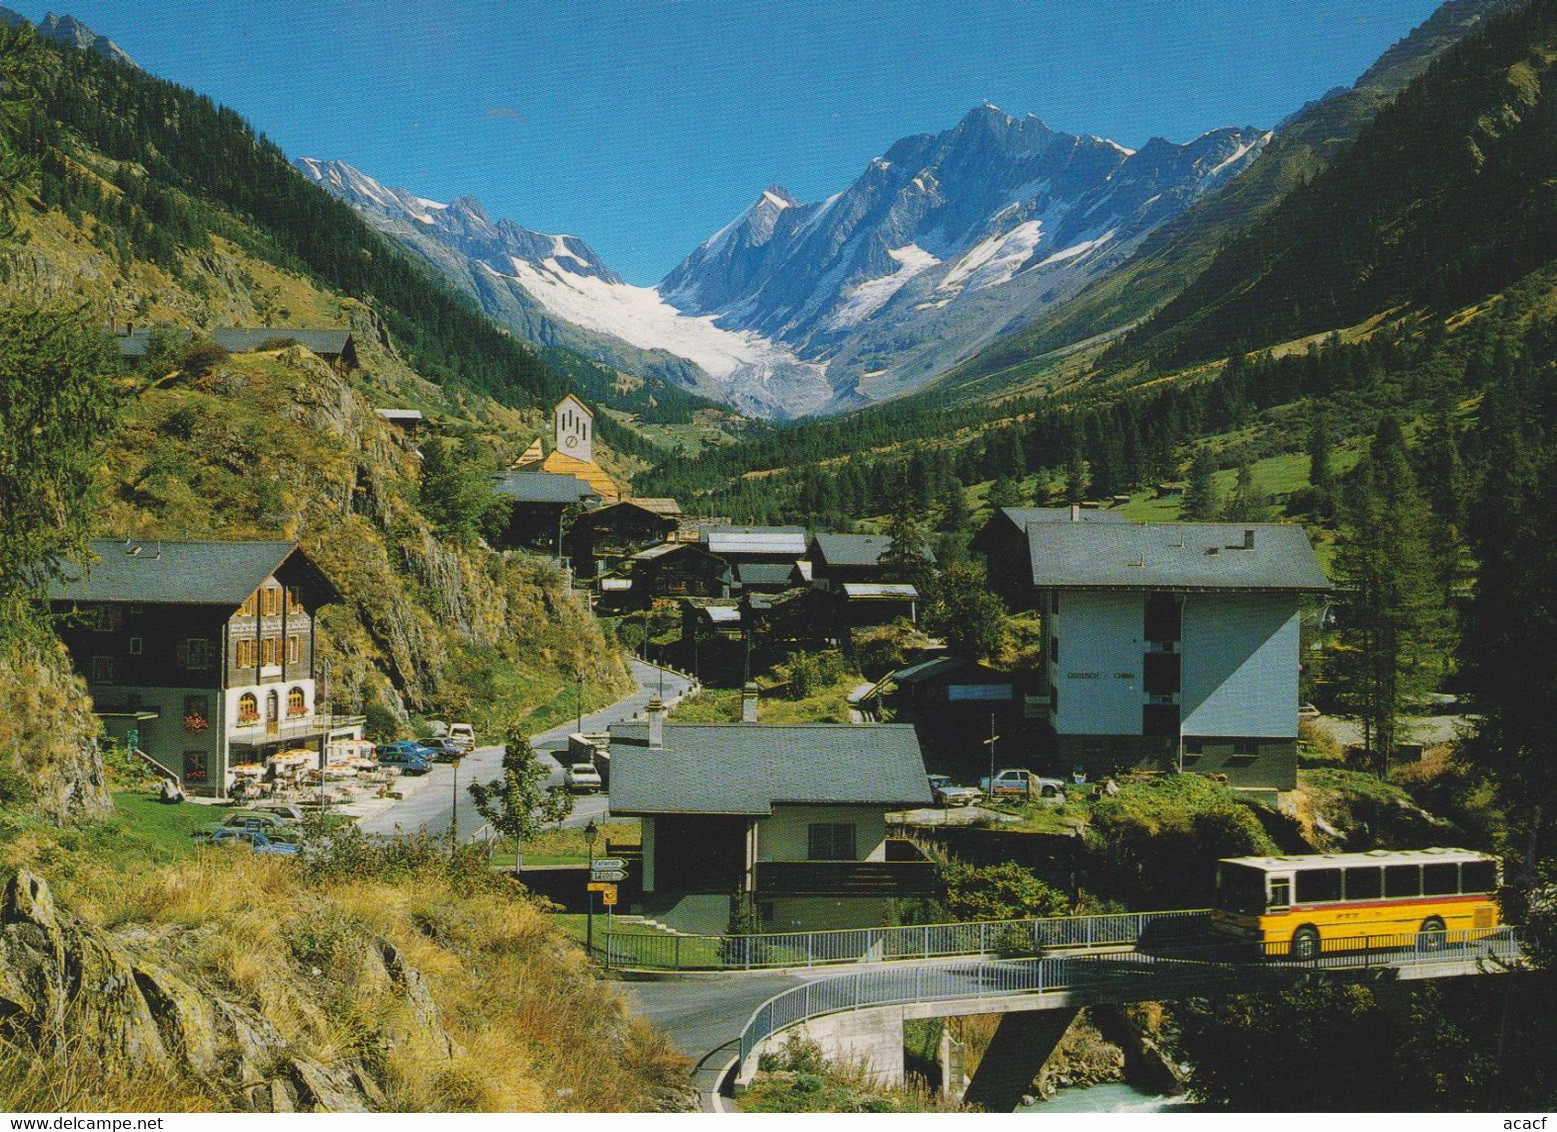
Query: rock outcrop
x=64, y=981
x=48, y=736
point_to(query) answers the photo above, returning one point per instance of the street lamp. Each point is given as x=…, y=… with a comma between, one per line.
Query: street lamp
x=591, y=831
x=454, y=826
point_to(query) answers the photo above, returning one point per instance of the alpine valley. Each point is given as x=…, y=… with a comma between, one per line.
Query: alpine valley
x=938, y=248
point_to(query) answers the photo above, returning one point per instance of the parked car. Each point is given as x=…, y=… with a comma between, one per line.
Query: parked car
x=582, y=778
x=284, y=811
x=443, y=748
x=410, y=758
x=1015, y=782
x=268, y=824
x=948, y=793
x=254, y=839
x=463, y=734
x=1308, y=711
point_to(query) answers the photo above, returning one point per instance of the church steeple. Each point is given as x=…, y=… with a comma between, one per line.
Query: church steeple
x=573, y=429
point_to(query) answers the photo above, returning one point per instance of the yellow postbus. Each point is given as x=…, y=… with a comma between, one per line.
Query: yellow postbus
x=1299, y=906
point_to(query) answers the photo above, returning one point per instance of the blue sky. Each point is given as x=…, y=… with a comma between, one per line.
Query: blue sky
x=642, y=126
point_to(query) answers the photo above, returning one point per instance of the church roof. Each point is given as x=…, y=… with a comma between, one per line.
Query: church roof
x=558, y=463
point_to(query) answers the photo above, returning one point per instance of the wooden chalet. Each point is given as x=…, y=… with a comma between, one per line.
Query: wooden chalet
x=200, y=654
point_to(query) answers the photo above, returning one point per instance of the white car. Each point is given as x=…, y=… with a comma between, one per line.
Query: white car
x=463, y=734
x=948, y=793
x=582, y=778
x=1014, y=782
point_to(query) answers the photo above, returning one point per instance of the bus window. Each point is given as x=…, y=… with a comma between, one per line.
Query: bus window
x=1365, y=882
x=1280, y=892
x=1402, y=880
x=1317, y=885
x=1479, y=876
x=1240, y=889
x=1440, y=879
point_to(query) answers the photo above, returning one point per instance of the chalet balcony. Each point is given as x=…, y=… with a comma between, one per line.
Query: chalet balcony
x=845, y=878
x=259, y=732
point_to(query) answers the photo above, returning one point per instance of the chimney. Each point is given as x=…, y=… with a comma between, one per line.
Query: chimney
x=1248, y=538
x=749, y=702
x=656, y=722
x=1075, y=512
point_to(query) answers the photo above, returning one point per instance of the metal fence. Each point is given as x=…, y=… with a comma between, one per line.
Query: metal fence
x=853, y=945
x=1123, y=977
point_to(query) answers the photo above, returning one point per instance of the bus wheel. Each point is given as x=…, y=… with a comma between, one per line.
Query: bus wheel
x=1305, y=943
x=1431, y=937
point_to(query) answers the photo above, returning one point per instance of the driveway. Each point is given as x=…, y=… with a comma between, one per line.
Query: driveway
x=430, y=807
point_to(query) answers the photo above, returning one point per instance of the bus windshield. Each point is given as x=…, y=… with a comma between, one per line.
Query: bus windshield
x=1240, y=888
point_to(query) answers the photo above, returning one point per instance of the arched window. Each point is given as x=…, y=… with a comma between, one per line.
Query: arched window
x=248, y=708
x=297, y=703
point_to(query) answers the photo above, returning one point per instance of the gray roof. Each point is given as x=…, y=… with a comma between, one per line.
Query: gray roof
x=764, y=573
x=325, y=343
x=748, y=768
x=400, y=414
x=754, y=540
x=184, y=573
x=1194, y=556
x=1021, y=516
x=541, y=487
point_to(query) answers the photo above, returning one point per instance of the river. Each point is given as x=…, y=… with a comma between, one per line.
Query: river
x=1110, y=1096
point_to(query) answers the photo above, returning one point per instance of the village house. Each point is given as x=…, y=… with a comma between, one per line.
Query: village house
x=839, y=559
x=599, y=540
x=791, y=817
x=677, y=569
x=200, y=654
x=537, y=507
x=1173, y=645
x=738, y=545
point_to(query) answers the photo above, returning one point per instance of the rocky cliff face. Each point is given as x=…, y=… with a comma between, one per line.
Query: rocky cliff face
x=67, y=987
x=48, y=737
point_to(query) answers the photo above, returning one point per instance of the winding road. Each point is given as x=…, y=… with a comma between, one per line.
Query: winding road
x=430, y=807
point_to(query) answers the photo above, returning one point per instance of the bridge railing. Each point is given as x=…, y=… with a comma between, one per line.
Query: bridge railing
x=854, y=945
x=1121, y=977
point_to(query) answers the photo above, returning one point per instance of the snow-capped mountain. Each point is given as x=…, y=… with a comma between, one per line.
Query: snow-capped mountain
x=944, y=243
x=554, y=290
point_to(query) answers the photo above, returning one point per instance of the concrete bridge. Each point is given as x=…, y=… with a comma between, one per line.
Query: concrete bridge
x=859, y=1015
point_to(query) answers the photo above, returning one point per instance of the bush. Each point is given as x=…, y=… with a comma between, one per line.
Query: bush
x=806, y=674
x=345, y=852
x=1006, y=891
x=200, y=357
x=1157, y=841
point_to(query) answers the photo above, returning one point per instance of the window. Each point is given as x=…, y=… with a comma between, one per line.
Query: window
x=1164, y=615
x=1317, y=885
x=831, y=841
x=1479, y=876
x=1365, y=882
x=294, y=600
x=103, y=618
x=1194, y=746
x=270, y=601
x=295, y=649
x=194, y=766
x=102, y=670
x=195, y=653
x=137, y=646
x=197, y=714
x=1280, y=892
x=1161, y=720
x=248, y=708
x=1054, y=699
x=1248, y=748
x=1054, y=602
x=1439, y=879
x=1161, y=675
x=246, y=652
x=1054, y=650
x=270, y=652
x=297, y=703
x=1402, y=880
x=247, y=609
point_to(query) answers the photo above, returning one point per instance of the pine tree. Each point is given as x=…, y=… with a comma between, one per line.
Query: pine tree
x=1321, y=466
x=1395, y=625
x=905, y=559
x=1200, y=502
x=1078, y=477
x=1245, y=505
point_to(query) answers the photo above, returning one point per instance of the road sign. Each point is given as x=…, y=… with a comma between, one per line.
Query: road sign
x=609, y=863
x=608, y=874
x=601, y=886
x=608, y=897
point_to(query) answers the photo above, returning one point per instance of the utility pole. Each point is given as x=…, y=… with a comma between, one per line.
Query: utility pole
x=454, y=826
x=580, y=701
x=990, y=743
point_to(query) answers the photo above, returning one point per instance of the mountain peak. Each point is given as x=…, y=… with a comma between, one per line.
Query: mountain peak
x=70, y=32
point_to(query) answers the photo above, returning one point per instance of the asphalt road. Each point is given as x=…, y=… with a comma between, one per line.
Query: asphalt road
x=430, y=807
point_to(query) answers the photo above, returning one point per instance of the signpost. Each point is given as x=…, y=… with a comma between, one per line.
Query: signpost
x=607, y=874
